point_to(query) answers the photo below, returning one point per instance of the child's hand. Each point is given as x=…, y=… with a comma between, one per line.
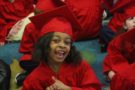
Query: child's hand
x=111, y=74
x=58, y=85
x=2, y=43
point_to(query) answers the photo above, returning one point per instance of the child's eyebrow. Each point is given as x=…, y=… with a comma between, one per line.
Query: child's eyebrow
x=59, y=36
x=56, y=36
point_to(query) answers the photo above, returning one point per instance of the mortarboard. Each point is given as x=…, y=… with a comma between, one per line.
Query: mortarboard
x=40, y=21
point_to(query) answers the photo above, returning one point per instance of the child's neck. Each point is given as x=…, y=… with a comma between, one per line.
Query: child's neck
x=54, y=66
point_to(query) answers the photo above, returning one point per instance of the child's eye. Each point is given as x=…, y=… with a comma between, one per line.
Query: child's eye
x=68, y=42
x=55, y=40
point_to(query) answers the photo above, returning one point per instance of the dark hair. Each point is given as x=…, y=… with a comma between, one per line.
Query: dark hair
x=42, y=47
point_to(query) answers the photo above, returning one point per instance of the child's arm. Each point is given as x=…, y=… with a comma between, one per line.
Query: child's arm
x=114, y=62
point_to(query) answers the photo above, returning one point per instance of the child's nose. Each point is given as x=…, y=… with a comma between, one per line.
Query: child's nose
x=62, y=44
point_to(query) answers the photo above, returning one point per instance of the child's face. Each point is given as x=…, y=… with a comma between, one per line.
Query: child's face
x=59, y=47
x=130, y=23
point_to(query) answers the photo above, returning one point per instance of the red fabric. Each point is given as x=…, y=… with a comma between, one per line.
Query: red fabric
x=121, y=59
x=86, y=11
x=116, y=22
x=120, y=53
x=129, y=36
x=64, y=21
x=2, y=23
x=28, y=40
x=57, y=24
x=48, y=5
x=119, y=18
x=89, y=14
x=12, y=12
x=107, y=4
x=129, y=12
x=80, y=77
x=119, y=5
x=125, y=80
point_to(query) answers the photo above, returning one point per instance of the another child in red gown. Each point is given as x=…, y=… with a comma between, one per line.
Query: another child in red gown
x=116, y=9
x=11, y=11
x=129, y=23
x=61, y=66
x=119, y=64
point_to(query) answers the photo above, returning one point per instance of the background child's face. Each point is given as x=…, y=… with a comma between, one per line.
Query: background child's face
x=130, y=23
x=59, y=47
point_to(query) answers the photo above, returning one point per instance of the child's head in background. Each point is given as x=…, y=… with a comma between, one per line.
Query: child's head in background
x=129, y=23
x=129, y=18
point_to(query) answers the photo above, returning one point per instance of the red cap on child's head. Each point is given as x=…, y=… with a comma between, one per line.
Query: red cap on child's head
x=129, y=36
x=119, y=18
x=60, y=19
x=129, y=12
x=57, y=24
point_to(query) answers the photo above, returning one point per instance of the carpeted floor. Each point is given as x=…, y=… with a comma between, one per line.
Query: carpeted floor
x=89, y=49
x=15, y=68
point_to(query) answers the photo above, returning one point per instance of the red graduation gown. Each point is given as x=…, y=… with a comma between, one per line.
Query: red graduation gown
x=27, y=43
x=124, y=80
x=89, y=15
x=120, y=54
x=121, y=59
x=80, y=77
x=12, y=12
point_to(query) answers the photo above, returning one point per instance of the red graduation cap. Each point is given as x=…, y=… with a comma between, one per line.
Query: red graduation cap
x=129, y=36
x=50, y=21
x=129, y=12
